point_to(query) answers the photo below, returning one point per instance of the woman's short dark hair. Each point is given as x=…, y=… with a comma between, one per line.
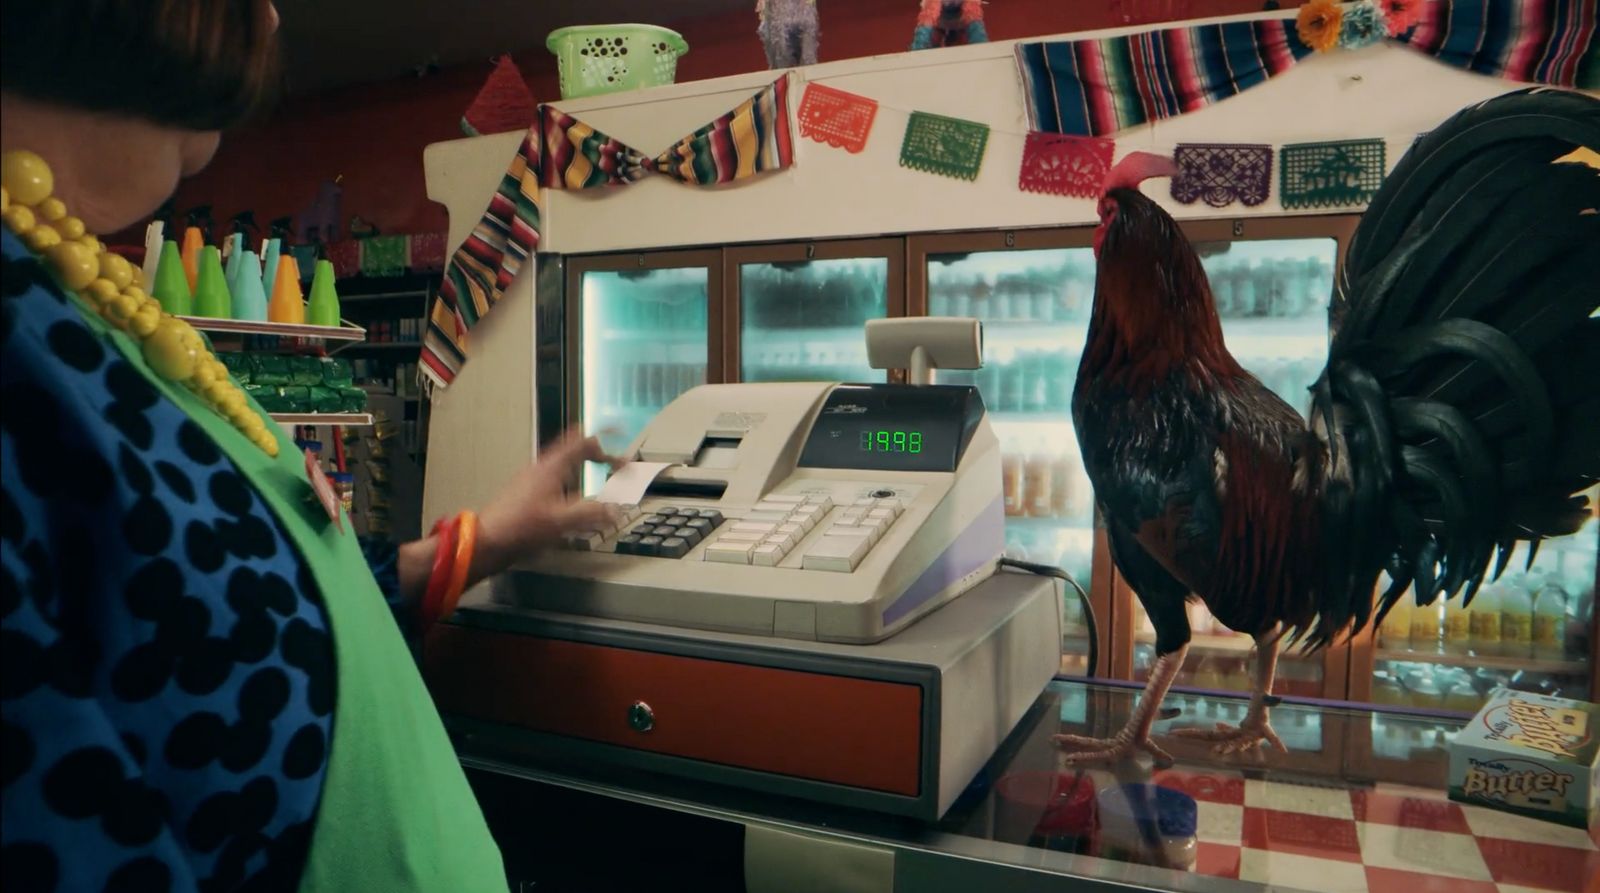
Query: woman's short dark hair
x=194, y=64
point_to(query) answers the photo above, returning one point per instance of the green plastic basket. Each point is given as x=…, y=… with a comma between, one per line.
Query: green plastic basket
x=596, y=59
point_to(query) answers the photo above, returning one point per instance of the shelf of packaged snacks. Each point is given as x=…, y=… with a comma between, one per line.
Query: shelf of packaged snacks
x=346, y=419
x=346, y=332
x=1485, y=661
x=1235, y=644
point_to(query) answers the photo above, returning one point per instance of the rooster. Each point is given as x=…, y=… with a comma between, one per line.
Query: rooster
x=1459, y=412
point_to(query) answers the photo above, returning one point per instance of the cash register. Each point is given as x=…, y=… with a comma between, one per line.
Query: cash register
x=800, y=594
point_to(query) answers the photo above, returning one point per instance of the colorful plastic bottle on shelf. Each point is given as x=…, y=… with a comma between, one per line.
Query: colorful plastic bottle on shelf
x=286, y=305
x=171, y=286
x=1485, y=627
x=1516, y=618
x=324, y=307
x=193, y=241
x=154, y=238
x=271, y=249
x=232, y=256
x=1550, y=620
x=211, y=298
x=249, y=296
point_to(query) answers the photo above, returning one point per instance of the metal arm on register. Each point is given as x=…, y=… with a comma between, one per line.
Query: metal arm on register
x=805, y=599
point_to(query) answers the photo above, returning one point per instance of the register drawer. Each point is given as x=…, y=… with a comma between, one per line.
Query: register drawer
x=857, y=732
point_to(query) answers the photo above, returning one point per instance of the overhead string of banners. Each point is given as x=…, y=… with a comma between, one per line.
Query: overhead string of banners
x=1077, y=94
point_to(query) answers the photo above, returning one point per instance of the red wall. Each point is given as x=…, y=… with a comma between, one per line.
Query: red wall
x=373, y=135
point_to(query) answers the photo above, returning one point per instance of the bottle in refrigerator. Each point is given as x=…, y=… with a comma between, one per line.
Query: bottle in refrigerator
x=1550, y=620
x=1395, y=633
x=1485, y=626
x=1011, y=378
x=1457, y=628
x=1036, y=386
x=1011, y=483
x=1061, y=482
x=1036, y=484
x=1387, y=690
x=1425, y=628
x=1459, y=693
x=1516, y=618
x=1058, y=385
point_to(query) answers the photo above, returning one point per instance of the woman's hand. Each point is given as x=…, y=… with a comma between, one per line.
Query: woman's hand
x=535, y=511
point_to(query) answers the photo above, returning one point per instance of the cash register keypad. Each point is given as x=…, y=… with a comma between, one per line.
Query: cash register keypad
x=766, y=533
x=773, y=528
x=763, y=536
x=667, y=532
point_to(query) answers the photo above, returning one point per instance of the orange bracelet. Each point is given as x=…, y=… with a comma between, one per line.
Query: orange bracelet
x=439, y=580
x=466, y=539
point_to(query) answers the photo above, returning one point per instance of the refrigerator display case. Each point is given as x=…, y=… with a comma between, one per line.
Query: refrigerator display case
x=642, y=329
x=1532, y=630
x=1272, y=281
x=1032, y=291
x=796, y=312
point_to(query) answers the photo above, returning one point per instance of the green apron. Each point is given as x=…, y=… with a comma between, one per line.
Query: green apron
x=396, y=813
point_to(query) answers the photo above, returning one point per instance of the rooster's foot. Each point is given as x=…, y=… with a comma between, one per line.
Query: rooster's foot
x=1248, y=735
x=1110, y=750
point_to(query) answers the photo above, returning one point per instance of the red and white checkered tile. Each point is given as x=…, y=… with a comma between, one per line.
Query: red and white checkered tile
x=1387, y=839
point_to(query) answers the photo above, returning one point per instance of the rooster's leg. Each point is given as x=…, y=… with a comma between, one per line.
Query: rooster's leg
x=1254, y=729
x=1135, y=736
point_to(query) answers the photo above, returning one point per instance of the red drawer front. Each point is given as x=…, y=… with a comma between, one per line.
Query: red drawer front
x=854, y=732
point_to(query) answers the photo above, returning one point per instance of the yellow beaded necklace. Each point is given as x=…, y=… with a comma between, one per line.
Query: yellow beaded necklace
x=113, y=286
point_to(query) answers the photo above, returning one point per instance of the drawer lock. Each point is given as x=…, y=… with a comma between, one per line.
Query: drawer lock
x=640, y=717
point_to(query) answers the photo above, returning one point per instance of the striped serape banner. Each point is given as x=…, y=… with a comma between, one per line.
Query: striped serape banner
x=752, y=139
x=1096, y=87
x=481, y=269
x=561, y=152
x=1534, y=41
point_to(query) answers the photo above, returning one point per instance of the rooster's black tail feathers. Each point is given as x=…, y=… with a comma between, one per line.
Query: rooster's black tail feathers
x=1461, y=403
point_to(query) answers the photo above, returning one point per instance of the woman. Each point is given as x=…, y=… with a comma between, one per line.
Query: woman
x=203, y=689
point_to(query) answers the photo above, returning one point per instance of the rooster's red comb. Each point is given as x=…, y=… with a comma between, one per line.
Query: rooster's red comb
x=1135, y=168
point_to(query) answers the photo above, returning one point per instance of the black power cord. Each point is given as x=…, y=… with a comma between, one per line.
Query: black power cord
x=1045, y=570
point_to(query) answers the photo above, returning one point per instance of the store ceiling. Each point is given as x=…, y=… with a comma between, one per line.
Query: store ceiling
x=351, y=41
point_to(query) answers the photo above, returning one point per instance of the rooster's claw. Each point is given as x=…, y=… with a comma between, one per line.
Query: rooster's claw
x=1248, y=735
x=1110, y=750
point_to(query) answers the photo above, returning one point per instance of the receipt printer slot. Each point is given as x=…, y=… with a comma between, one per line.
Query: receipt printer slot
x=666, y=488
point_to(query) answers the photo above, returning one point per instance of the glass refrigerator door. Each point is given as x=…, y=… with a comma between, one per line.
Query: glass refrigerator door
x=1034, y=305
x=1531, y=630
x=1272, y=295
x=645, y=335
x=803, y=320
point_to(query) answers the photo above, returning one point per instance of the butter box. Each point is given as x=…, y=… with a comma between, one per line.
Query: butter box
x=1530, y=754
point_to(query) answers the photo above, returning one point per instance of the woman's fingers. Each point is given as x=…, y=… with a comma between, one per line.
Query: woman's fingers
x=584, y=515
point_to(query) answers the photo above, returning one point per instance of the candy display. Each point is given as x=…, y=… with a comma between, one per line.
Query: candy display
x=297, y=384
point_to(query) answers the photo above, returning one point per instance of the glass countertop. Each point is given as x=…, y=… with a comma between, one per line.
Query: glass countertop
x=1358, y=804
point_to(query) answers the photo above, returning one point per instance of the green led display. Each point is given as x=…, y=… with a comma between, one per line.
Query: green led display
x=891, y=441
